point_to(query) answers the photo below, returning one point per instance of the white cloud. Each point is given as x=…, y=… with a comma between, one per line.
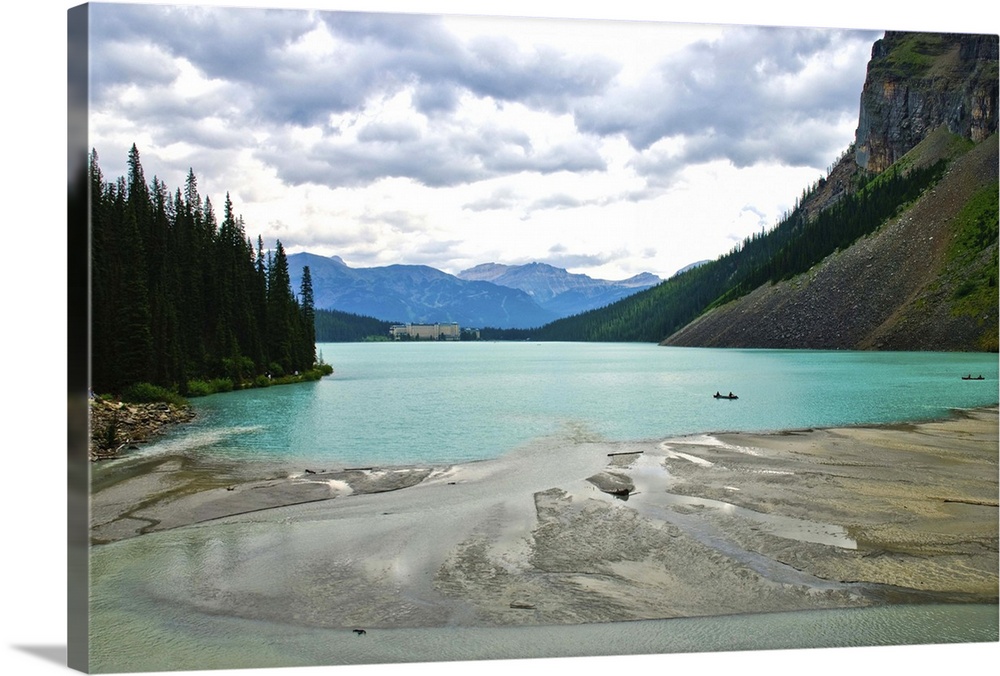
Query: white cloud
x=410, y=138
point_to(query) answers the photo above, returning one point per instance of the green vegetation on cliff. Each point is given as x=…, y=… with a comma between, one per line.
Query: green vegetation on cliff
x=974, y=249
x=913, y=54
x=929, y=105
x=791, y=248
x=924, y=56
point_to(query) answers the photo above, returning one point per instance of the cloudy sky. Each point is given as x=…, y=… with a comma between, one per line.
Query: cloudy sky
x=607, y=147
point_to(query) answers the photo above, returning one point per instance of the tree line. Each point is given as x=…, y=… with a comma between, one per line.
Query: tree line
x=179, y=296
x=336, y=326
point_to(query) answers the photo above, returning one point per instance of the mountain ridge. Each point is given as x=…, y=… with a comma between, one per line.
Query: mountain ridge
x=538, y=294
x=558, y=290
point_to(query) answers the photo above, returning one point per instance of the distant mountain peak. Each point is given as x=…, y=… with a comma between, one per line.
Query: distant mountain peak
x=414, y=293
x=641, y=279
x=691, y=266
x=489, y=294
x=305, y=255
x=484, y=271
x=557, y=289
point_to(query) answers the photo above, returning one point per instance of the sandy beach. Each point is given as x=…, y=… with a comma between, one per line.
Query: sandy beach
x=714, y=524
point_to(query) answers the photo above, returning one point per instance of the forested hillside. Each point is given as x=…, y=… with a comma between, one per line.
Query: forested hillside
x=930, y=102
x=925, y=280
x=792, y=247
x=179, y=296
x=334, y=326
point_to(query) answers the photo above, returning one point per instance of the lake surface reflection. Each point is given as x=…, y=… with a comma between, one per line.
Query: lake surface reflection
x=420, y=403
x=135, y=640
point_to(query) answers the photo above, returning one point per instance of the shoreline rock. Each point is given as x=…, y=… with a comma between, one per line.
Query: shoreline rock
x=613, y=483
x=117, y=426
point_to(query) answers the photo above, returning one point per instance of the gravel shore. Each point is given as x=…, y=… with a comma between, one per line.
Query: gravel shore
x=593, y=532
x=117, y=427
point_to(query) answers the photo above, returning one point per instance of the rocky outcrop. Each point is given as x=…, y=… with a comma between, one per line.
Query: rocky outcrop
x=918, y=82
x=927, y=97
x=613, y=483
x=116, y=426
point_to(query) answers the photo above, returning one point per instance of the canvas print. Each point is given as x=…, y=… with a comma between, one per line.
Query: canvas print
x=407, y=338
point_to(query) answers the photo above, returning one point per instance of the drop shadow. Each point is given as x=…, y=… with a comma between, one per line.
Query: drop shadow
x=50, y=653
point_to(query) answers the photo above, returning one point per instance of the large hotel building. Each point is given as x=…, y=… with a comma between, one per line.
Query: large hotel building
x=426, y=331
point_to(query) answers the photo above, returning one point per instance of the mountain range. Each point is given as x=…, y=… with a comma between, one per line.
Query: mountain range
x=488, y=295
x=895, y=249
x=556, y=290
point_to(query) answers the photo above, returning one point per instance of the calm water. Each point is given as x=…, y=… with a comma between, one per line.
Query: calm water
x=413, y=403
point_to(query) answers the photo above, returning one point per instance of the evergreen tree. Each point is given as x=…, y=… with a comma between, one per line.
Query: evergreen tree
x=132, y=337
x=163, y=290
x=282, y=313
x=177, y=296
x=308, y=322
x=102, y=259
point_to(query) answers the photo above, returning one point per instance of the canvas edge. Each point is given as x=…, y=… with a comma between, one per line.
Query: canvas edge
x=78, y=339
x=78, y=379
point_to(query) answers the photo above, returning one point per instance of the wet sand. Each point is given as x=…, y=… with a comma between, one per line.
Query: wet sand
x=581, y=531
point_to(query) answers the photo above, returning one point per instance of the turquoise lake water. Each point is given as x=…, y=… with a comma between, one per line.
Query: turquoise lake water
x=416, y=403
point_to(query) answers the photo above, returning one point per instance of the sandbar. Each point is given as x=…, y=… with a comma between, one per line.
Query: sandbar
x=587, y=531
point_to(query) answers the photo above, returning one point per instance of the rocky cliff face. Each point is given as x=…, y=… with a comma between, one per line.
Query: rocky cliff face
x=927, y=97
x=919, y=81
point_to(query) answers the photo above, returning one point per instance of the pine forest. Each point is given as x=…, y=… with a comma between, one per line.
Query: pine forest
x=181, y=299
